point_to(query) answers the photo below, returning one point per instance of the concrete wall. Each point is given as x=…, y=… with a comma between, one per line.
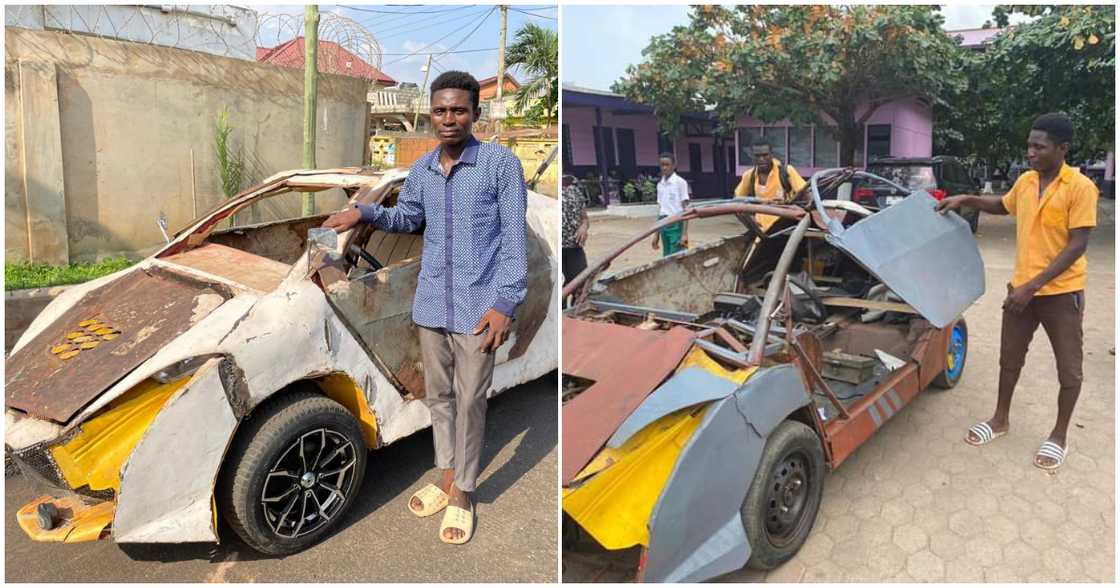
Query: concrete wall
x=135, y=125
x=228, y=31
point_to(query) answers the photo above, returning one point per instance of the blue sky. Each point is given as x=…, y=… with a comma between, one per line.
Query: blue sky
x=431, y=29
x=598, y=42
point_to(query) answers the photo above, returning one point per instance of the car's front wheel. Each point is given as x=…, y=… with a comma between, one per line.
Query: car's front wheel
x=292, y=473
x=784, y=497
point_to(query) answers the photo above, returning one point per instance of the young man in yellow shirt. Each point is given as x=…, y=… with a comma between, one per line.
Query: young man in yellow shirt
x=783, y=185
x=1055, y=208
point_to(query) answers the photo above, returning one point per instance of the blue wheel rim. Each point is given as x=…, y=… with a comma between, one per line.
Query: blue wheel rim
x=957, y=346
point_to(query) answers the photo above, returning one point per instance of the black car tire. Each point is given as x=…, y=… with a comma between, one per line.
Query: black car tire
x=264, y=444
x=793, y=457
x=570, y=532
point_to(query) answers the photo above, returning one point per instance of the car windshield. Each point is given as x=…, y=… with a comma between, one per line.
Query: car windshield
x=915, y=177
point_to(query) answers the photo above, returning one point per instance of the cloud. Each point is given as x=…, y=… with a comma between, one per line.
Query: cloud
x=600, y=41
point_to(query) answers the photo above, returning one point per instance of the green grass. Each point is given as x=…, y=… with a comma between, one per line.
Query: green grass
x=18, y=276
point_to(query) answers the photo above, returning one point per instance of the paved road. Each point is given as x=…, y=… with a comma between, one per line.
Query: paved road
x=379, y=541
x=916, y=503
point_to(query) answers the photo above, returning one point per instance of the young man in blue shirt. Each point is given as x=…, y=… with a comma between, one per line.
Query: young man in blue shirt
x=471, y=199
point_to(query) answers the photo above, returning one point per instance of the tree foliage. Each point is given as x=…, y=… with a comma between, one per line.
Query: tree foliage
x=1062, y=60
x=535, y=50
x=833, y=66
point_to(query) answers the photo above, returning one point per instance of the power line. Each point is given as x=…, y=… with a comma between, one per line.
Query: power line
x=378, y=25
x=375, y=11
x=425, y=27
x=532, y=14
x=464, y=39
x=448, y=52
x=421, y=50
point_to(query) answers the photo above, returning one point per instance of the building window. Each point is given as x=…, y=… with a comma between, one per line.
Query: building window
x=777, y=138
x=878, y=141
x=826, y=151
x=664, y=143
x=747, y=135
x=567, y=147
x=801, y=146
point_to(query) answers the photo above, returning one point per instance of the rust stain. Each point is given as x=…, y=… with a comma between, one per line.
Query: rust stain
x=622, y=380
x=142, y=311
x=538, y=297
x=411, y=376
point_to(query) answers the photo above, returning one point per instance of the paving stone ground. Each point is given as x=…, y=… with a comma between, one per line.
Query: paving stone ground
x=916, y=503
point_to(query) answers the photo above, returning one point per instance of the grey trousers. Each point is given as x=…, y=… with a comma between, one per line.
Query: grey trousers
x=456, y=379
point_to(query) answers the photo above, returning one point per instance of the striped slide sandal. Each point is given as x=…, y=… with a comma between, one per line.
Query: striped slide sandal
x=431, y=497
x=1053, y=451
x=457, y=518
x=983, y=432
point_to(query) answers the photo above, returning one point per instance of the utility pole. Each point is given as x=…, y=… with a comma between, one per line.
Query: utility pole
x=420, y=98
x=310, y=91
x=501, y=68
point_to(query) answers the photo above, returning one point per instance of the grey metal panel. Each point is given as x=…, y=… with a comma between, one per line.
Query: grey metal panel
x=687, y=387
x=769, y=396
x=696, y=530
x=930, y=260
x=168, y=481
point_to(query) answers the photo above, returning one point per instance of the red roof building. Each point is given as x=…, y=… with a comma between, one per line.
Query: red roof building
x=333, y=58
x=488, y=88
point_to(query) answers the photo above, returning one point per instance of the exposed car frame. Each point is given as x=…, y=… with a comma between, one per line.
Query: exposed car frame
x=141, y=442
x=671, y=445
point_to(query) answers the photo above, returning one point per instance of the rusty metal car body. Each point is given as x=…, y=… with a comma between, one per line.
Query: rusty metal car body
x=128, y=396
x=689, y=434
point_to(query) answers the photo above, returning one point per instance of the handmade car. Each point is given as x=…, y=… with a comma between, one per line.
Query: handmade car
x=241, y=373
x=706, y=394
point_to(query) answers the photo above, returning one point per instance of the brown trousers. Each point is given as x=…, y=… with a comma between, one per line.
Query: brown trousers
x=1061, y=316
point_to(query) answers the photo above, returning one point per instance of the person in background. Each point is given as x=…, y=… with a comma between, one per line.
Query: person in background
x=574, y=227
x=672, y=198
x=758, y=182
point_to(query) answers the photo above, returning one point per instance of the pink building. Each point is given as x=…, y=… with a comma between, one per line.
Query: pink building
x=603, y=133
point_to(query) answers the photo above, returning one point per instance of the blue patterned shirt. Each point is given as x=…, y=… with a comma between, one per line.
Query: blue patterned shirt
x=474, y=256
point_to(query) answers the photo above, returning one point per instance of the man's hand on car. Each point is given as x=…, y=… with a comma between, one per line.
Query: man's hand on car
x=496, y=326
x=343, y=221
x=656, y=241
x=951, y=203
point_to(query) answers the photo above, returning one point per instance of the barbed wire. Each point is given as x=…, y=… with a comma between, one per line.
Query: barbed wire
x=224, y=30
x=275, y=29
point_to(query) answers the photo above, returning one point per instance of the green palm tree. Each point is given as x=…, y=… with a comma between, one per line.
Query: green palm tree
x=535, y=51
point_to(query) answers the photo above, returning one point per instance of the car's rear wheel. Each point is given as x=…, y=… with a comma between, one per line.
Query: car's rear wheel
x=784, y=496
x=292, y=473
x=955, y=356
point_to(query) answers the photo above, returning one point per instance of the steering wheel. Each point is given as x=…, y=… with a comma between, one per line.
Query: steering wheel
x=366, y=255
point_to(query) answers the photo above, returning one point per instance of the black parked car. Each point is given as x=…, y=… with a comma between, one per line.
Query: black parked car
x=940, y=175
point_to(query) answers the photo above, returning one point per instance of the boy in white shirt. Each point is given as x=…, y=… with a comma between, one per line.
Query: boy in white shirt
x=672, y=198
